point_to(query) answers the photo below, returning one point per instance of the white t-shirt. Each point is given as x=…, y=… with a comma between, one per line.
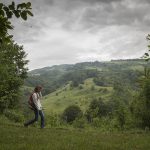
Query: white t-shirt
x=36, y=99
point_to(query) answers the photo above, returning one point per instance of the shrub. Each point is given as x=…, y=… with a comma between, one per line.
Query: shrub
x=14, y=116
x=71, y=113
x=98, y=108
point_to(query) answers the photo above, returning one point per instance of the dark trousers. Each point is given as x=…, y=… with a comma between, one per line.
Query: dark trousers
x=37, y=113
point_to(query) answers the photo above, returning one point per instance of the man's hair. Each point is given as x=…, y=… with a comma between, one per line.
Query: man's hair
x=37, y=88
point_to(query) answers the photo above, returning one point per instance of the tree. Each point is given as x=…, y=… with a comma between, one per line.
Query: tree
x=6, y=12
x=140, y=106
x=98, y=108
x=13, y=72
x=71, y=113
x=120, y=99
x=12, y=56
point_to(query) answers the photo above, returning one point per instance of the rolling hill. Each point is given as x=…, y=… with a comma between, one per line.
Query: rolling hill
x=78, y=84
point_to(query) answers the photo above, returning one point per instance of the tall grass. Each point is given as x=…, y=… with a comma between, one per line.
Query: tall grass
x=15, y=137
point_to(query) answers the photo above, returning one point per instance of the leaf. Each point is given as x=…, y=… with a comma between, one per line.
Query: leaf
x=11, y=7
x=16, y=13
x=2, y=13
x=7, y=40
x=9, y=14
x=146, y=54
x=148, y=37
x=28, y=5
x=9, y=27
x=18, y=6
x=29, y=13
x=6, y=8
x=23, y=5
x=1, y=5
x=13, y=3
x=10, y=36
x=24, y=15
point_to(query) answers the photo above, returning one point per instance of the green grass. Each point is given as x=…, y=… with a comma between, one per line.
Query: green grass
x=19, y=138
x=63, y=97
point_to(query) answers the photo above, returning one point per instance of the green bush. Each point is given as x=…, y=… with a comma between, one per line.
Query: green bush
x=71, y=113
x=14, y=116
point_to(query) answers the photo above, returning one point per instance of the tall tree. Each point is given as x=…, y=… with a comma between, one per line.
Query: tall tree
x=12, y=56
x=141, y=105
x=12, y=74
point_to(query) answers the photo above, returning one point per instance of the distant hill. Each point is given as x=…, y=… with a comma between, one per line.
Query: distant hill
x=80, y=83
x=52, y=78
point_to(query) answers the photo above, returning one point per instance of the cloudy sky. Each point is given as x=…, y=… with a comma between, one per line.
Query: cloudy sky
x=70, y=31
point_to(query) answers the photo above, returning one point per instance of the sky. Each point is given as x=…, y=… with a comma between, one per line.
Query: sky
x=71, y=31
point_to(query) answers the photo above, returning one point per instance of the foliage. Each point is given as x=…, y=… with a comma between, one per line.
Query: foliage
x=71, y=113
x=103, y=74
x=13, y=72
x=121, y=97
x=6, y=13
x=12, y=56
x=99, y=81
x=105, y=124
x=53, y=120
x=98, y=108
x=14, y=116
x=147, y=55
x=141, y=105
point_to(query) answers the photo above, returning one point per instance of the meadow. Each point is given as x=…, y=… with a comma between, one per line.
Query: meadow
x=16, y=137
x=65, y=96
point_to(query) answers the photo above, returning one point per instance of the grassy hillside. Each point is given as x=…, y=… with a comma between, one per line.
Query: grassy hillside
x=81, y=96
x=19, y=138
x=52, y=78
x=56, y=81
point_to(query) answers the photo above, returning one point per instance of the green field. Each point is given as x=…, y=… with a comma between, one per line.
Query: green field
x=63, y=97
x=15, y=137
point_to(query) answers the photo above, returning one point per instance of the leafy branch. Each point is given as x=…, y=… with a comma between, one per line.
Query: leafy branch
x=6, y=12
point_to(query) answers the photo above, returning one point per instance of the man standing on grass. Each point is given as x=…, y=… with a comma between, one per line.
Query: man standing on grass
x=35, y=105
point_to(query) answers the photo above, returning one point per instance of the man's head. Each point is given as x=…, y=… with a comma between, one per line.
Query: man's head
x=38, y=88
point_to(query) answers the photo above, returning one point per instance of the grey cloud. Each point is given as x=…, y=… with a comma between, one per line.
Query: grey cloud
x=121, y=14
x=100, y=1
x=96, y=17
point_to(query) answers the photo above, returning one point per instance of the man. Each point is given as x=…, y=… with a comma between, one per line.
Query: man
x=36, y=107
